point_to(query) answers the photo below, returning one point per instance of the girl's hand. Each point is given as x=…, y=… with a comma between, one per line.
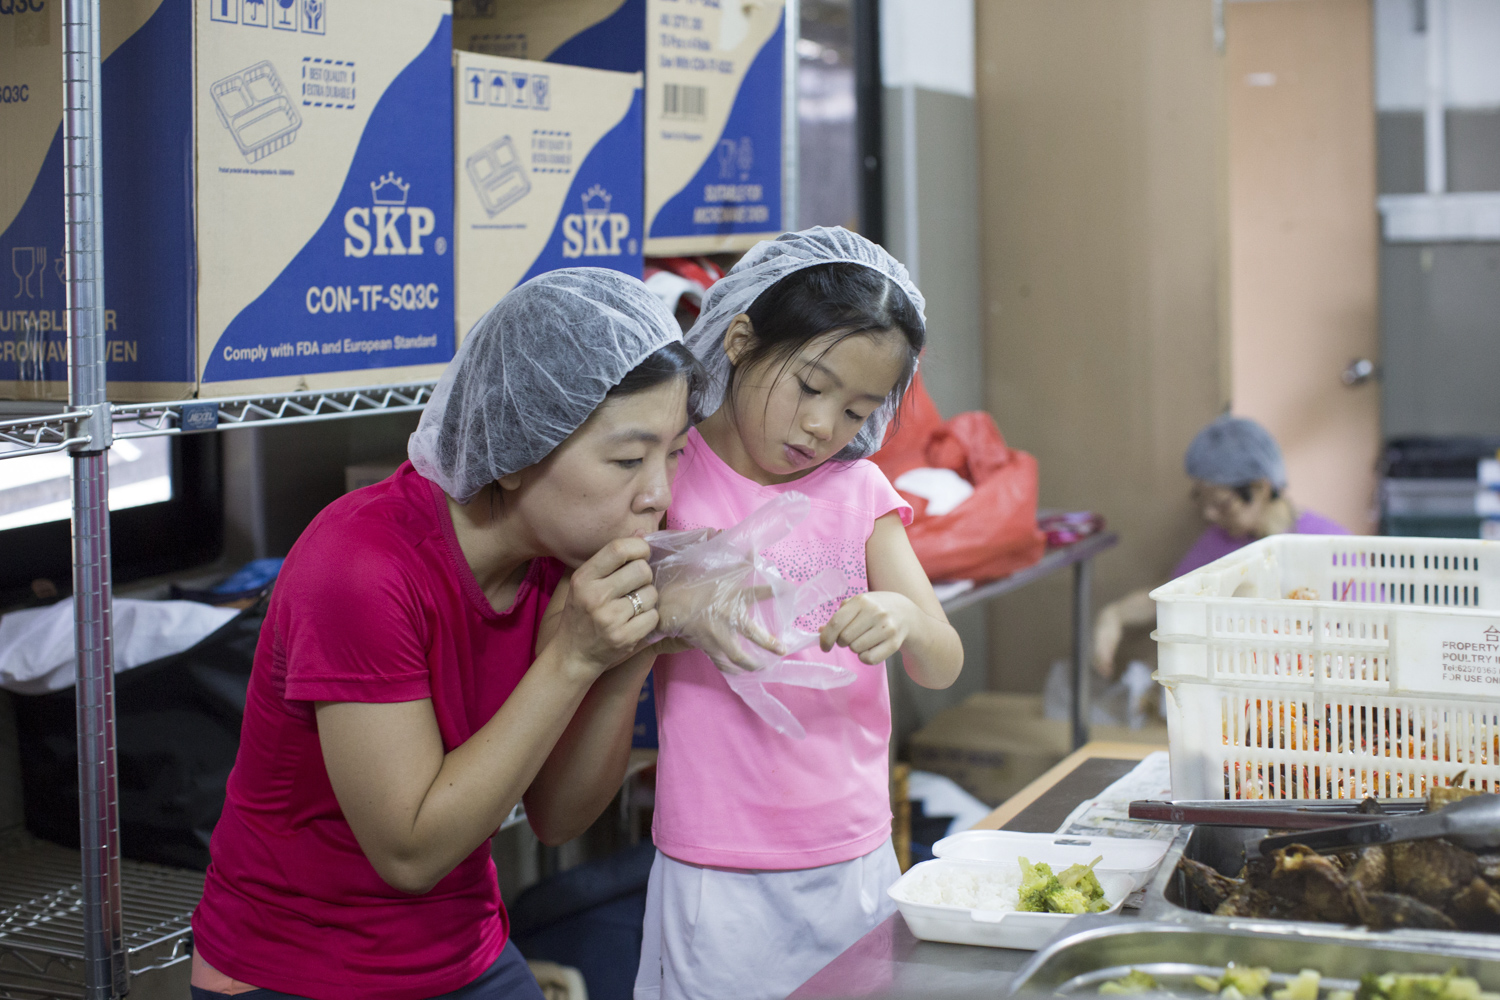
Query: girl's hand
x=600, y=625
x=874, y=625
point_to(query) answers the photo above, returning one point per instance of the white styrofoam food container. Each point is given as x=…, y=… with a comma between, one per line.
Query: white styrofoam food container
x=1136, y=859
x=989, y=928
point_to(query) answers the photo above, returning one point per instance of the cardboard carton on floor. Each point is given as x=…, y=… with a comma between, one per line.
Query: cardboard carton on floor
x=277, y=196
x=547, y=173
x=994, y=744
x=713, y=101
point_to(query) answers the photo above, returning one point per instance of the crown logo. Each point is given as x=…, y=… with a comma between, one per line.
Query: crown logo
x=596, y=201
x=389, y=190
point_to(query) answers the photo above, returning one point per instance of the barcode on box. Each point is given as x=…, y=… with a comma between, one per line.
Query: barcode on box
x=680, y=100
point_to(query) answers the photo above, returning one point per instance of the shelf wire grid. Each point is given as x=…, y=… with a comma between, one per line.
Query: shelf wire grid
x=137, y=420
x=53, y=432
x=41, y=435
x=41, y=920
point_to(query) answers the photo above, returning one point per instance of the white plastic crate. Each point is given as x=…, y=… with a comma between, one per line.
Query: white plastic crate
x=1382, y=677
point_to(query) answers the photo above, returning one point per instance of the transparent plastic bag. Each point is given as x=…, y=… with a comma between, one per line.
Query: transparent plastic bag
x=719, y=592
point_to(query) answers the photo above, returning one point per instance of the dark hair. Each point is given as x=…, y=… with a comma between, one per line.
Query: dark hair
x=851, y=298
x=666, y=363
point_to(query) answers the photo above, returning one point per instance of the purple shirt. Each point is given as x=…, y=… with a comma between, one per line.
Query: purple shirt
x=1215, y=543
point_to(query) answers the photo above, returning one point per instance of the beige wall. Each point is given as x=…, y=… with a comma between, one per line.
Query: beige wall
x=1100, y=133
x=1303, y=241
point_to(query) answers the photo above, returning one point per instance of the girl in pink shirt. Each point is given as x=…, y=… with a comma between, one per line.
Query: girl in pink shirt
x=774, y=854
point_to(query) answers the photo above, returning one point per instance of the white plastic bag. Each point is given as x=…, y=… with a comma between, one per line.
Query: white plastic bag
x=719, y=592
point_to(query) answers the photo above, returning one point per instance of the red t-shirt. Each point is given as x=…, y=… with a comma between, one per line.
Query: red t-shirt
x=374, y=604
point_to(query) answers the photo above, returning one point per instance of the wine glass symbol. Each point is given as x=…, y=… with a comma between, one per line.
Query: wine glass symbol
x=22, y=257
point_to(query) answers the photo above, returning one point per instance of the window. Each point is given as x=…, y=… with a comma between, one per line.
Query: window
x=38, y=489
x=166, y=512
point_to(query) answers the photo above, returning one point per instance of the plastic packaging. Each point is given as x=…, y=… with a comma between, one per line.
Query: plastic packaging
x=719, y=592
x=989, y=534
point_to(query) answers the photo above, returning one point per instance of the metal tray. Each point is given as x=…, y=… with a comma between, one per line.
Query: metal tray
x=1075, y=965
x=1170, y=898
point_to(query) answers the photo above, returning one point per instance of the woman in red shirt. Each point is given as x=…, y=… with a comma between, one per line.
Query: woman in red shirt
x=466, y=634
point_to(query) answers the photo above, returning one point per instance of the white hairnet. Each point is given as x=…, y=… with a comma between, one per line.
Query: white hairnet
x=1235, y=451
x=765, y=264
x=531, y=371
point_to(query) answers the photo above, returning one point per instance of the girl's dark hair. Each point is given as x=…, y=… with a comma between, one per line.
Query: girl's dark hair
x=850, y=298
x=666, y=363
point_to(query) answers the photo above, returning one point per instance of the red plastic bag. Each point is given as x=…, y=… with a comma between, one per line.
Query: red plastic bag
x=991, y=534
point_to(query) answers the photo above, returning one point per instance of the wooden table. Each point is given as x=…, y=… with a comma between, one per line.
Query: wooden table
x=889, y=963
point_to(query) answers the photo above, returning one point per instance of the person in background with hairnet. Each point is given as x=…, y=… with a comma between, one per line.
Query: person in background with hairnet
x=469, y=633
x=1239, y=488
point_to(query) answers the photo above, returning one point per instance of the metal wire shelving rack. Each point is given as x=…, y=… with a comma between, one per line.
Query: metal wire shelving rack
x=78, y=925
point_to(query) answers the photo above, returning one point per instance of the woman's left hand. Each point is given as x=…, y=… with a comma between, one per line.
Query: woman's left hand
x=874, y=625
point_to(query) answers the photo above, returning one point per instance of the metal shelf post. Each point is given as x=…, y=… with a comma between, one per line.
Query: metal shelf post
x=105, y=974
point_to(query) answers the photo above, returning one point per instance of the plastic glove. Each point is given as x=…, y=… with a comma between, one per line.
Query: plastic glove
x=718, y=592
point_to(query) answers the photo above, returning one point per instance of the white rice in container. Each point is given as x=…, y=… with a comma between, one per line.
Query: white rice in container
x=997, y=889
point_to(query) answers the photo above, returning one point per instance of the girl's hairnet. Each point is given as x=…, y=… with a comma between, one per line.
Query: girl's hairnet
x=1235, y=451
x=767, y=263
x=531, y=371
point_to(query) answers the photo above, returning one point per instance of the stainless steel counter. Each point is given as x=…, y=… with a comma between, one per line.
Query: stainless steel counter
x=889, y=963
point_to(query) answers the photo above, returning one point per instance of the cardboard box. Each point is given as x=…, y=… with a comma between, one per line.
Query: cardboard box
x=547, y=173
x=277, y=196
x=713, y=96
x=602, y=34
x=994, y=744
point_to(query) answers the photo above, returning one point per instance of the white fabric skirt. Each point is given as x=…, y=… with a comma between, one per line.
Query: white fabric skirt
x=724, y=934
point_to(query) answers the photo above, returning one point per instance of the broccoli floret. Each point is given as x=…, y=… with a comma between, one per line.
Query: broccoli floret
x=1135, y=982
x=1037, y=883
x=1100, y=905
x=1037, y=897
x=1082, y=877
x=1065, y=900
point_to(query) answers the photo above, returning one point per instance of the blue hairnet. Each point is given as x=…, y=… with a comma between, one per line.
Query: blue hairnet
x=1235, y=451
x=765, y=264
x=532, y=371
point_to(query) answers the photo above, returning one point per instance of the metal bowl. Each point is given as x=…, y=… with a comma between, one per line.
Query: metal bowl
x=1173, y=952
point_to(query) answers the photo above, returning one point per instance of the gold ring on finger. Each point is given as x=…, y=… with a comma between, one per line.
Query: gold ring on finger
x=635, y=602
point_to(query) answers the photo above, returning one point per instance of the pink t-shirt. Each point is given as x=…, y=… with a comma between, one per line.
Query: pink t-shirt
x=731, y=791
x=374, y=604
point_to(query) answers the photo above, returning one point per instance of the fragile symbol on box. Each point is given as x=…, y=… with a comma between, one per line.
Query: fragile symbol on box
x=284, y=15
x=497, y=175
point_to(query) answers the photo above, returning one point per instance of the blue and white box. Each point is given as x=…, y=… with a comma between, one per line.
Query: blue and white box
x=714, y=100
x=547, y=174
x=277, y=196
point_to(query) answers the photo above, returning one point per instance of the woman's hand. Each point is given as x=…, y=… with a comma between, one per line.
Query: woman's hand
x=874, y=625
x=599, y=624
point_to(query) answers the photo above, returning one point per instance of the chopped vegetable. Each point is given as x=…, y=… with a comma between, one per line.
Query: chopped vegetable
x=1414, y=986
x=1239, y=982
x=1075, y=890
x=1303, y=987
x=1135, y=981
